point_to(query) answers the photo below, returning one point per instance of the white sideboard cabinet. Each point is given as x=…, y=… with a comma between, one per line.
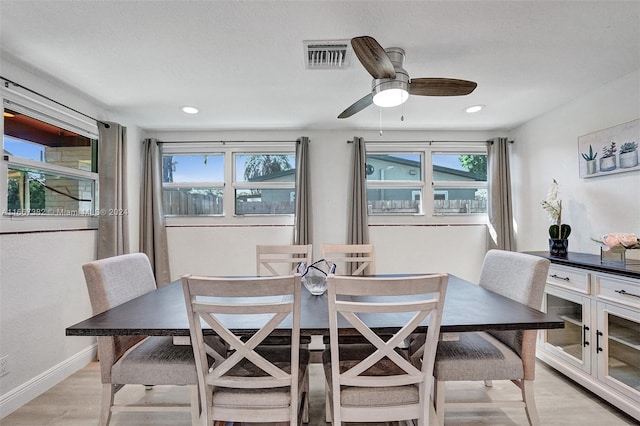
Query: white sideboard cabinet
x=599, y=347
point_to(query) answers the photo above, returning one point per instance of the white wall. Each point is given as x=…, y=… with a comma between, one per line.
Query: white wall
x=547, y=147
x=223, y=250
x=42, y=288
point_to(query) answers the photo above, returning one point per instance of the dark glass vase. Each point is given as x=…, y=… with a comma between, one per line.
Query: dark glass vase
x=558, y=247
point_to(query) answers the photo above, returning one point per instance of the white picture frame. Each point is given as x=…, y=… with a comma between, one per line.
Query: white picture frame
x=609, y=151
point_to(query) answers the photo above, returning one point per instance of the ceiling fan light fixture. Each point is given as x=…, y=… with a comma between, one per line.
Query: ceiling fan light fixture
x=391, y=92
x=390, y=97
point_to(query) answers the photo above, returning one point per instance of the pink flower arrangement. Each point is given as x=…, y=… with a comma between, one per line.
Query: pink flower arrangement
x=622, y=241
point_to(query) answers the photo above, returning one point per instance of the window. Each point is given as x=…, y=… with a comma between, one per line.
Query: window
x=394, y=183
x=459, y=183
x=228, y=179
x=429, y=180
x=264, y=183
x=50, y=165
x=193, y=184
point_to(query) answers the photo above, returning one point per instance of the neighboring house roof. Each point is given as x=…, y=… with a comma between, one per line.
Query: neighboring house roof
x=389, y=159
x=273, y=175
x=411, y=163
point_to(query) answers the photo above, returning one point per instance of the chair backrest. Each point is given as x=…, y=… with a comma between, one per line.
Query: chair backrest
x=413, y=299
x=112, y=282
x=351, y=259
x=277, y=260
x=521, y=277
x=262, y=303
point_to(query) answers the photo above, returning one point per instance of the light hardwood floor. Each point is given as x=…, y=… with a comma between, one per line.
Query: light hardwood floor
x=76, y=401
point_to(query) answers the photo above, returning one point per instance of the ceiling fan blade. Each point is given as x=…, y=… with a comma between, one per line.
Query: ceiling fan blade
x=441, y=87
x=358, y=106
x=373, y=57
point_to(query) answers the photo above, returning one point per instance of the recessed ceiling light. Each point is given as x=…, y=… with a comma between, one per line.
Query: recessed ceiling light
x=474, y=108
x=189, y=109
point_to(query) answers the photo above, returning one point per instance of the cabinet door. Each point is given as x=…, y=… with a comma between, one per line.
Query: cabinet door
x=573, y=342
x=618, y=348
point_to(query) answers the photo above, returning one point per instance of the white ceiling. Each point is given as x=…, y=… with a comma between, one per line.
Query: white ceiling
x=242, y=62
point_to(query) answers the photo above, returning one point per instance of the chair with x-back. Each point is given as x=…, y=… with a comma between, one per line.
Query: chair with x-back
x=274, y=260
x=376, y=381
x=351, y=259
x=255, y=383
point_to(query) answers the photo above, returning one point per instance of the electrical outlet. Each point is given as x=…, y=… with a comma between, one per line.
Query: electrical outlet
x=4, y=365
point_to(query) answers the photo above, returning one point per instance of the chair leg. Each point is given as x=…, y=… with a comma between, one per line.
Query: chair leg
x=195, y=405
x=438, y=395
x=108, y=391
x=488, y=383
x=529, y=402
x=327, y=406
x=305, y=416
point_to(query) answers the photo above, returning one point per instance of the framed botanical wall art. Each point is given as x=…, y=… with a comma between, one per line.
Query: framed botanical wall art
x=608, y=151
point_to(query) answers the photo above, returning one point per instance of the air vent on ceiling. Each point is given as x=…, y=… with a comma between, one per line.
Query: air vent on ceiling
x=326, y=55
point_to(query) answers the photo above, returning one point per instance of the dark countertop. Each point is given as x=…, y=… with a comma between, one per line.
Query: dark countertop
x=593, y=263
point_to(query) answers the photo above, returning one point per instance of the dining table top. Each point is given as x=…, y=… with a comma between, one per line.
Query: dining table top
x=468, y=307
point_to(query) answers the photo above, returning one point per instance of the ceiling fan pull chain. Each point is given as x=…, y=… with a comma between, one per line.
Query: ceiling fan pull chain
x=402, y=111
x=380, y=111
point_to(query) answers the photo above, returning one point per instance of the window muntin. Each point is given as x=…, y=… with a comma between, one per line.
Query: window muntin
x=228, y=180
x=51, y=170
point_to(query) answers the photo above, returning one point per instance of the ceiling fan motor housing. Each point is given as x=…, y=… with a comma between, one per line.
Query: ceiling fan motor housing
x=396, y=55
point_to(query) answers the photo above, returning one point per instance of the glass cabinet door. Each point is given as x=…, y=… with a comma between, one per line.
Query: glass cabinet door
x=571, y=343
x=618, y=348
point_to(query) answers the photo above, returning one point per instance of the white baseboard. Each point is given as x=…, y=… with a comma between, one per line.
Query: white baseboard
x=16, y=398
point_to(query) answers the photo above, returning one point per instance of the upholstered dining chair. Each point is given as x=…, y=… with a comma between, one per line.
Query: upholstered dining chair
x=255, y=383
x=351, y=259
x=127, y=360
x=497, y=355
x=282, y=259
x=376, y=381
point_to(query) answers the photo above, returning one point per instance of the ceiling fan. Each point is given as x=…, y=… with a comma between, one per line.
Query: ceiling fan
x=391, y=84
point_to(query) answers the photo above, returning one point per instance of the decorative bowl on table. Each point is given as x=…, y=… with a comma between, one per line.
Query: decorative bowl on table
x=314, y=276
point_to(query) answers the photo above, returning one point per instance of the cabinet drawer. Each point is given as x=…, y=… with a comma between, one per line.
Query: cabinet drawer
x=570, y=278
x=617, y=290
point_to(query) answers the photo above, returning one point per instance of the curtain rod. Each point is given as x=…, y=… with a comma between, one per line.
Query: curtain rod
x=429, y=142
x=224, y=142
x=7, y=82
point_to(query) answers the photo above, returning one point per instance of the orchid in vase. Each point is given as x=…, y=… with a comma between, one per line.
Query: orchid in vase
x=553, y=206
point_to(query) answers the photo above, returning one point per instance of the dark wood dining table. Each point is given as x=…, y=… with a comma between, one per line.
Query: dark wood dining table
x=468, y=307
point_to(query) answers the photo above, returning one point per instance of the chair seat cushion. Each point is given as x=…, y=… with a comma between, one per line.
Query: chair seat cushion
x=384, y=396
x=262, y=397
x=156, y=361
x=476, y=356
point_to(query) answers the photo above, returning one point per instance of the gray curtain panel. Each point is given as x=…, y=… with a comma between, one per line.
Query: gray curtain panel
x=113, y=221
x=303, y=229
x=358, y=228
x=500, y=212
x=153, y=234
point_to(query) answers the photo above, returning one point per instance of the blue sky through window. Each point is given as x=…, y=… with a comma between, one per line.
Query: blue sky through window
x=23, y=149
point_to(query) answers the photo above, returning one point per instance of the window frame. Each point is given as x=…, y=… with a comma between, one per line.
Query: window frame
x=429, y=187
x=229, y=186
x=19, y=100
